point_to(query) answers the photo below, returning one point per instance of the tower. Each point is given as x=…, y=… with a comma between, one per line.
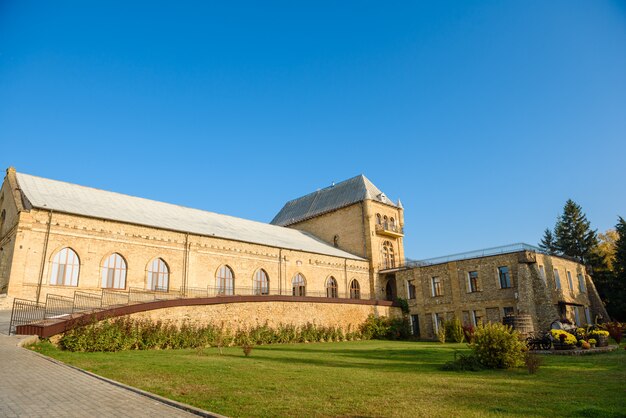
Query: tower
x=357, y=217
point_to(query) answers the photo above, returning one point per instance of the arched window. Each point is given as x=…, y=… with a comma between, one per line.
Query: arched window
x=225, y=281
x=392, y=224
x=336, y=241
x=385, y=222
x=379, y=220
x=331, y=288
x=158, y=275
x=65, y=268
x=261, y=283
x=298, y=285
x=355, y=289
x=114, y=272
x=388, y=255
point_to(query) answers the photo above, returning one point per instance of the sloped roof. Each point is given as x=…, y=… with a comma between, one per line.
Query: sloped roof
x=348, y=192
x=74, y=199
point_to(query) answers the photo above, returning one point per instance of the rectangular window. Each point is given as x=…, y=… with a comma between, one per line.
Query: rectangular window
x=476, y=318
x=570, y=282
x=542, y=273
x=411, y=290
x=581, y=284
x=577, y=316
x=505, y=277
x=587, y=315
x=437, y=322
x=509, y=311
x=472, y=281
x=415, y=325
x=437, y=289
x=557, y=280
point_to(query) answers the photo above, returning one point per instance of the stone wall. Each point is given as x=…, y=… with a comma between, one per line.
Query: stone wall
x=533, y=290
x=246, y=314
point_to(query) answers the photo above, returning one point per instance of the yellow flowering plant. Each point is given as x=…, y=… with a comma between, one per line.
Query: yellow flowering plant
x=563, y=337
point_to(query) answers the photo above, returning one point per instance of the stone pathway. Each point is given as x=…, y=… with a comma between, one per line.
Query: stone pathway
x=33, y=386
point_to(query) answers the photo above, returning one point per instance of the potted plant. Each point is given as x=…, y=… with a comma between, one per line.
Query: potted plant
x=601, y=337
x=592, y=342
x=563, y=340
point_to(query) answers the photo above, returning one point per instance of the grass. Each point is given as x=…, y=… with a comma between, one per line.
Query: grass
x=365, y=378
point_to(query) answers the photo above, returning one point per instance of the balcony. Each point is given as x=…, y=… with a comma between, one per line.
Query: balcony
x=389, y=230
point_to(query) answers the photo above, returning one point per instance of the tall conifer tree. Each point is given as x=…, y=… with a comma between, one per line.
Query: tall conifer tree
x=573, y=233
x=548, y=243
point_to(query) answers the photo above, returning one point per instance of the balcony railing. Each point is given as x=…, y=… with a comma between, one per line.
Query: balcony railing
x=389, y=229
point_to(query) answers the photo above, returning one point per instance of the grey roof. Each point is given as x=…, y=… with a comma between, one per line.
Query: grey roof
x=346, y=193
x=71, y=198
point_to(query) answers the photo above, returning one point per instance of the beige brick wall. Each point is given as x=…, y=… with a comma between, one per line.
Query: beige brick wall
x=529, y=293
x=94, y=239
x=242, y=315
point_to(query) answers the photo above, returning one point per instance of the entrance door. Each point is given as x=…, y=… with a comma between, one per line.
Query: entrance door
x=390, y=288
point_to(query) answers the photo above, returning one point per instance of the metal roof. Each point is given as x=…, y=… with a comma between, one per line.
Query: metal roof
x=80, y=200
x=348, y=192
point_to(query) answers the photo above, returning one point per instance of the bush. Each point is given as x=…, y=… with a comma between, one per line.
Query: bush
x=463, y=362
x=454, y=330
x=533, y=362
x=383, y=328
x=615, y=330
x=563, y=337
x=468, y=332
x=498, y=346
x=441, y=334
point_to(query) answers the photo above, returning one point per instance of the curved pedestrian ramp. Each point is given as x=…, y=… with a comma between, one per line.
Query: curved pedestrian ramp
x=60, y=313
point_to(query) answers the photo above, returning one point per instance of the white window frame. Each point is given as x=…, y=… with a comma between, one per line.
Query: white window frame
x=432, y=286
x=570, y=281
x=469, y=281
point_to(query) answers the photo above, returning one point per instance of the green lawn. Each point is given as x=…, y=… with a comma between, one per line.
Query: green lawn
x=365, y=378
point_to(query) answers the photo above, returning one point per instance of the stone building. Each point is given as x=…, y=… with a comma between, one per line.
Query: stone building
x=341, y=243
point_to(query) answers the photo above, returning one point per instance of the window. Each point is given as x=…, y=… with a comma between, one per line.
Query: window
x=65, y=268
x=355, y=289
x=577, y=316
x=388, y=255
x=158, y=275
x=225, y=281
x=437, y=322
x=379, y=220
x=505, y=277
x=436, y=286
x=331, y=288
x=298, y=285
x=114, y=272
x=261, y=283
x=415, y=325
x=509, y=311
x=570, y=282
x=336, y=241
x=557, y=280
x=472, y=281
x=581, y=284
x=392, y=224
x=477, y=319
x=385, y=222
x=587, y=315
x=410, y=289
x=542, y=274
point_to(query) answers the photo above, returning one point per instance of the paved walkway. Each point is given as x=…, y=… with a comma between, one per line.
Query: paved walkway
x=32, y=386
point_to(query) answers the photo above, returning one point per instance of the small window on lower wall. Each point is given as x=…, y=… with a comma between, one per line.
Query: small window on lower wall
x=472, y=281
x=477, y=318
x=415, y=325
x=588, y=315
x=509, y=311
x=437, y=323
x=411, y=289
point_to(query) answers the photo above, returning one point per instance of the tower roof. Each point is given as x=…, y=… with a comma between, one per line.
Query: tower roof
x=346, y=193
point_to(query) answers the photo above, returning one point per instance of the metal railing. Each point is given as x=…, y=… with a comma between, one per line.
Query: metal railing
x=25, y=312
x=60, y=307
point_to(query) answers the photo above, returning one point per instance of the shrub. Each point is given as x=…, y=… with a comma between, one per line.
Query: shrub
x=615, y=330
x=454, y=330
x=463, y=362
x=592, y=341
x=498, y=346
x=533, y=362
x=383, y=328
x=247, y=349
x=441, y=334
x=598, y=333
x=468, y=332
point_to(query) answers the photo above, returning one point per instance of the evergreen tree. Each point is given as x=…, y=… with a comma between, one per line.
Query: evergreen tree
x=616, y=305
x=574, y=236
x=548, y=243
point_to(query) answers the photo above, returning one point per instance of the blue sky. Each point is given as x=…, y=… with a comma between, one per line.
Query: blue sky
x=483, y=117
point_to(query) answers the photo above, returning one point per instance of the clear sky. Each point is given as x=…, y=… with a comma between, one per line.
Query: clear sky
x=483, y=117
